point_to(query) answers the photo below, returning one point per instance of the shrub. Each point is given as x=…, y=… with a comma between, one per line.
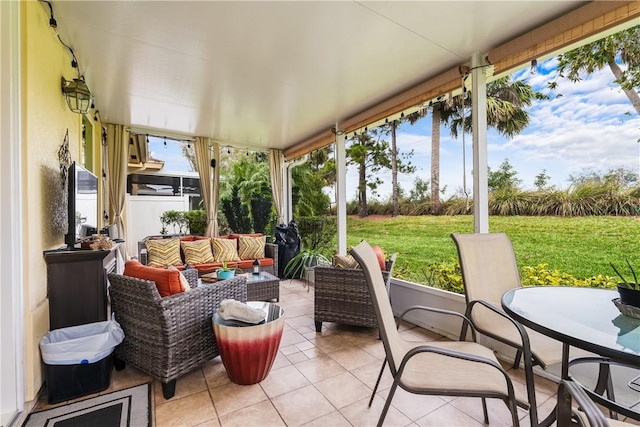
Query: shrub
x=448, y=276
x=444, y=275
x=317, y=232
x=540, y=275
x=197, y=220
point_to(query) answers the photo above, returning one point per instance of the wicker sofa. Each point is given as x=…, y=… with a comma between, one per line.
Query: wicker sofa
x=269, y=263
x=171, y=336
x=342, y=295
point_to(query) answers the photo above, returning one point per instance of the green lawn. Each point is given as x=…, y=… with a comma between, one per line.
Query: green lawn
x=581, y=246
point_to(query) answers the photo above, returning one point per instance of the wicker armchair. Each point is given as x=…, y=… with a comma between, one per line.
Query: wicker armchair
x=168, y=337
x=342, y=296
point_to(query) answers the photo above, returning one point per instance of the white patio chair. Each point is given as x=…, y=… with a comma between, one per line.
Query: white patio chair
x=439, y=368
x=489, y=269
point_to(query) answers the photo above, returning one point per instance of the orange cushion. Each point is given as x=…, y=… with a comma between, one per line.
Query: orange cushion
x=167, y=281
x=380, y=256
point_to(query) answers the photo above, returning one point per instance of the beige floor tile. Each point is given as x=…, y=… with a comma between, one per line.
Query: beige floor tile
x=290, y=349
x=499, y=414
x=447, y=415
x=215, y=373
x=187, y=411
x=334, y=419
x=330, y=343
x=126, y=378
x=301, y=406
x=314, y=352
x=297, y=357
x=280, y=361
x=231, y=397
x=374, y=348
x=305, y=345
x=414, y=406
x=368, y=374
x=343, y=389
x=419, y=335
x=360, y=414
x=290, y=337
x=299, y=321
x=191, y=383
x=352, y=357
x=210, y=423
x=320, y=368
x=259, y=414
x=283, y=380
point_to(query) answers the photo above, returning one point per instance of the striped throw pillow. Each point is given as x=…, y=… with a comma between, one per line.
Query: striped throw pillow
x=197, y=252
x=224, y=249
x=251, y=247
x=345, y=261
x=163, y=252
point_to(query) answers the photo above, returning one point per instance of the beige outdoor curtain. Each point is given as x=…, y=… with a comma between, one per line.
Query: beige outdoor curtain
x=276, y=162
x=117, y=156
x=209, y=180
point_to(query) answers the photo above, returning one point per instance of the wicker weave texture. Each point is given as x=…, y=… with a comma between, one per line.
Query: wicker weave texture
x=264, y=290
x=168, y=337
x=342, y=296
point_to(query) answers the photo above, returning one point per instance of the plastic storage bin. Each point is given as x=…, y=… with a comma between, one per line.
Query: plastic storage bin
x=78, y=359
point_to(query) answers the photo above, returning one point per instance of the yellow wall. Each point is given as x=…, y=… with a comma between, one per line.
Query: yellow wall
x=45, y=119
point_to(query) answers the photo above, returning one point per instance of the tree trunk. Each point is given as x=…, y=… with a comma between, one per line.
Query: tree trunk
x=435, y=160
x=631, y=94
x=362, y=190
x=394, y=170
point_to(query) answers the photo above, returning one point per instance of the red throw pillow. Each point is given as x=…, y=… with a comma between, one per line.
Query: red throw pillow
x=167, y=281
x=380, y=256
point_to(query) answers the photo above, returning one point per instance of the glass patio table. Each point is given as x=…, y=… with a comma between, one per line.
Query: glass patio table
x=585, y=318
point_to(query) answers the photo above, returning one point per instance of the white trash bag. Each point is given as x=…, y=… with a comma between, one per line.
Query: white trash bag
x=81, y=344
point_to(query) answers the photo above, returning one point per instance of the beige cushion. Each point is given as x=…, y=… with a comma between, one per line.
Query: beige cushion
x=184, y=283
x=251, y=247
x=224, y=249
x=163, y=252
x=197, y=252
x=345, y=261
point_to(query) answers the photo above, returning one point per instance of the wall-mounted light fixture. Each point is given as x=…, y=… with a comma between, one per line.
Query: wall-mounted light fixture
x=77, y=94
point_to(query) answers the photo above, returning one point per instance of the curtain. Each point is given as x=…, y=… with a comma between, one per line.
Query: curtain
x=117, y=156
x=209, y=177
x=276, y=165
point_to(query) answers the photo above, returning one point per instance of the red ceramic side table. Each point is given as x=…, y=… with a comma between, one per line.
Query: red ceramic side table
x=247, y=350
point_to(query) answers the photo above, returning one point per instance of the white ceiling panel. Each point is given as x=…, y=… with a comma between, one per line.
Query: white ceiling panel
x=269, y=74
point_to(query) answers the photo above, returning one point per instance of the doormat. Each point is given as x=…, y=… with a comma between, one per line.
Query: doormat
x=124, y=408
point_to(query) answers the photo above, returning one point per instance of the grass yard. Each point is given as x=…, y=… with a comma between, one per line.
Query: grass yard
x=580, y=246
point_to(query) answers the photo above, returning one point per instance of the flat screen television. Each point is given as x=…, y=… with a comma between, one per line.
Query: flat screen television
x=82, y=203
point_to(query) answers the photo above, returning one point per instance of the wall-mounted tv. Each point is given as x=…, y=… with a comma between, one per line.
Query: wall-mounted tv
x=82, y=202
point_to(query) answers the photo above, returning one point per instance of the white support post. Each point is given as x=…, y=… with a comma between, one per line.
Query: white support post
x=341, y=191
x=479, y=125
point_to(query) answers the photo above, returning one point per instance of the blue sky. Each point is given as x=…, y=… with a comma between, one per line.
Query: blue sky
x=591, y=126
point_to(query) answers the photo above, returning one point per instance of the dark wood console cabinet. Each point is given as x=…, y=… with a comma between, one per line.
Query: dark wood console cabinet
x=77, y=285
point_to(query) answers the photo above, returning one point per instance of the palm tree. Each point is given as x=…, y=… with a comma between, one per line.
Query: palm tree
x=591, y=57
x=506, y=103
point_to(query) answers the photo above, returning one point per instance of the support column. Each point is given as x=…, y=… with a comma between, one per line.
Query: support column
x=341, y=191
x=479, y=125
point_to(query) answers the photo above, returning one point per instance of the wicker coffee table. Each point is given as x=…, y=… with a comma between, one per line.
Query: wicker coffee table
x=260, y=287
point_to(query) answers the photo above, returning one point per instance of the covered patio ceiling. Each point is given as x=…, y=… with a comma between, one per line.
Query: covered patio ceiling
x=276, y=74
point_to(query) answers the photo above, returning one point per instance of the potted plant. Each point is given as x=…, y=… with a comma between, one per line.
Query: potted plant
x=302, y=265
x=629, y=290
x=225, y=272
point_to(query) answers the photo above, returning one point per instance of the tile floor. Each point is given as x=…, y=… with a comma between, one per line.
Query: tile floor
x=317, y=380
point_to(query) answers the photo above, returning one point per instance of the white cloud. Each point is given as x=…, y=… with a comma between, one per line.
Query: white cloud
x=592, y=125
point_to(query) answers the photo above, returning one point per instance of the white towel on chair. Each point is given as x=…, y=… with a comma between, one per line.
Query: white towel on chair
x=231, y=309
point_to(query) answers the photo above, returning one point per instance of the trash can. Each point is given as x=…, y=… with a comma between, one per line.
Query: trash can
x=78, y=359
x=288, y=241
